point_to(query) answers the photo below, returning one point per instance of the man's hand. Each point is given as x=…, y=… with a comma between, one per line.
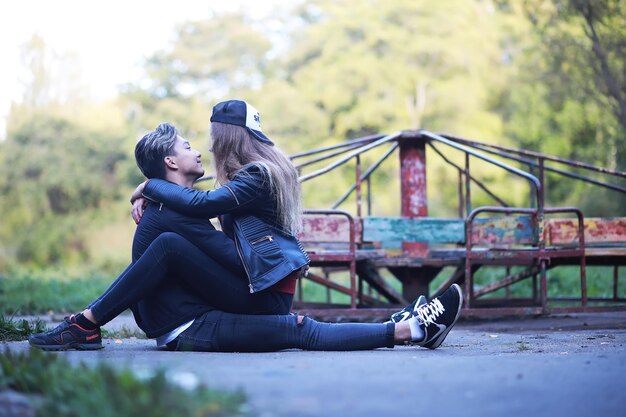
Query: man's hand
x=138, y=193
x=137, y=211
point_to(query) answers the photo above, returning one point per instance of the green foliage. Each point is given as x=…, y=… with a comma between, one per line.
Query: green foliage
x=54, y=174
x=570, y=92
x=379, y=66
x=60, y=389
x=555, y=96
x=11, y=330
x=540, y=75
x=34, y=294
x=371, y=67
x=563, y=281
x=209, y=55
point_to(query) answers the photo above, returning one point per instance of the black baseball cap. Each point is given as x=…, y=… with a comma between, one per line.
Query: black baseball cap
x=240, y=113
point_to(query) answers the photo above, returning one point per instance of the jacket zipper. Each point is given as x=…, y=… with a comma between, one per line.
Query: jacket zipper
x=268, y=238
x=243, y=262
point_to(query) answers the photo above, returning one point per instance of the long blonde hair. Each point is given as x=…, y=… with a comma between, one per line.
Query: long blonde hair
x=234, y=148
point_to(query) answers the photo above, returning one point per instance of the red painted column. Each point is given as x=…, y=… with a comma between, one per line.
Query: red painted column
x=413, y=187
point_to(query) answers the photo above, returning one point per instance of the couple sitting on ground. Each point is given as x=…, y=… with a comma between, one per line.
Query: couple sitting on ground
x=192, y=287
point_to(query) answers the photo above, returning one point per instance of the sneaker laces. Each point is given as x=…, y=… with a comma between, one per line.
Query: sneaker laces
x=428, y=313
x=60, y=327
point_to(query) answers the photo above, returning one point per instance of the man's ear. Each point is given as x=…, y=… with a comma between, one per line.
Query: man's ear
x=170, y=162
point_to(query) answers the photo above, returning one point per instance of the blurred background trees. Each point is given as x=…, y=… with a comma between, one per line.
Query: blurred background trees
x=535, y=74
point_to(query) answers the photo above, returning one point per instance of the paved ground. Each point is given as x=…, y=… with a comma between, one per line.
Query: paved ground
x=552, y=366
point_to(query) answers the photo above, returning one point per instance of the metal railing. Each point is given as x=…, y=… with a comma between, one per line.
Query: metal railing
x=323, y=161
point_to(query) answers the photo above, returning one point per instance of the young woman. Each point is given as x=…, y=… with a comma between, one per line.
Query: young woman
x=246, y=277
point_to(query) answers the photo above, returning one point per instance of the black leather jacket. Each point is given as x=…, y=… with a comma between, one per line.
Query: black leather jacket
x=267, y=252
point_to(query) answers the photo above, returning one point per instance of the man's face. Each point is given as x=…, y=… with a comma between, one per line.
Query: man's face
x=187, y=159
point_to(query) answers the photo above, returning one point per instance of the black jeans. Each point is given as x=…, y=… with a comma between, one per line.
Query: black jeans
x=216, y=331
x=170, y=256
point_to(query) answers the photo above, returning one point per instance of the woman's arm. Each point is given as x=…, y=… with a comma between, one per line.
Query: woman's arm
x=234, y=195
x=138, y=193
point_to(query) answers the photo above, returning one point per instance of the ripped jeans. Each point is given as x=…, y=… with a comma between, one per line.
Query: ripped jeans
x=217, y=331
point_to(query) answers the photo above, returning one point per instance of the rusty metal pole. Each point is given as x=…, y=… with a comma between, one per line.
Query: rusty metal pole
x=461, y=199
x=469, y=279
x=533, y=195
x=413, y=204
x=369, y=196
x=468, y=264
x=615, y=280
x=468, y=182
x=543, y=284
x=327, y=277
x=359, y=213
x=583, y=280
x=540, y=235
x=583, y=260
x=413, y=187
x=507, y=289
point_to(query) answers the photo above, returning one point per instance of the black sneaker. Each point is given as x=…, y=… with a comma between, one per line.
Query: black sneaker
x=67, y=335
x=408, y=311
x=437, y=317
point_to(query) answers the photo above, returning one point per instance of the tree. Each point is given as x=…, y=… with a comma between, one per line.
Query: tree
x=336, y=69
x=62, y=161
x=576, y=65
x=208, y=58
x=358, y=68
x=379, y=65
x=560, y=102
x=605, y=27
x=53, y=174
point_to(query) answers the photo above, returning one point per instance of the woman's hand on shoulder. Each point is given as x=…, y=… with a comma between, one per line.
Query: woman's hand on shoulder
x=138, y=193
x=139, y=202
x=138, y=207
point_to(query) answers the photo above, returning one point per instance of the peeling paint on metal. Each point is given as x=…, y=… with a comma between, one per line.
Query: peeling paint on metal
x=505, y=230
x=597, y=230
x=323, y=228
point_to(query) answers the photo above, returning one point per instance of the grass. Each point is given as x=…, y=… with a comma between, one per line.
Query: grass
x=37, y=293
x=30, y=294
x=11, y=330
x=563, y=281
x=26, y=293
x=56, y=388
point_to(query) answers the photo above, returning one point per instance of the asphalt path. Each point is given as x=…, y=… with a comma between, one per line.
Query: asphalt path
x=551, y=366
